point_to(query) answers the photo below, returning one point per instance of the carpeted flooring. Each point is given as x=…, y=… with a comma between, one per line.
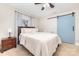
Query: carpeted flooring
x=67, y=50
x=63, y=50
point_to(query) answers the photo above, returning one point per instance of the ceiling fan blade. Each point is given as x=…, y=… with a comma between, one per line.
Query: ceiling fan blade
x=42, y=8
x=37, y=3
x=51, y=5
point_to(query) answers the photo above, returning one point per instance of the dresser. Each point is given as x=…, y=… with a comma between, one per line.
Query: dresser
x=8, y=43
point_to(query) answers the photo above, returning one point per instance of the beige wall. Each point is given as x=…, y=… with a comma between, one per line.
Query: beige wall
x=7, y=20
x=77, y=28
x=48, y=25
x=35, y=22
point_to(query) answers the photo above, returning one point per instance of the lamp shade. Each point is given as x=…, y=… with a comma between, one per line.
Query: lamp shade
x=10, y=30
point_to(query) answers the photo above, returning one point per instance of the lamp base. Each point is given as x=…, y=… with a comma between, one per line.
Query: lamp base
x=9, y=35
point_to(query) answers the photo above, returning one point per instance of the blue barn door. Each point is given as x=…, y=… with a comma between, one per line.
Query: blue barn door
x=65, y=28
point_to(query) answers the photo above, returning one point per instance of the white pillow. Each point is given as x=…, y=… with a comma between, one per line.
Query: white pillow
x=29, y=30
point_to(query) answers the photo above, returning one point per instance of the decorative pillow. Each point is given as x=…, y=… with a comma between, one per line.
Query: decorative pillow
x=29, y=30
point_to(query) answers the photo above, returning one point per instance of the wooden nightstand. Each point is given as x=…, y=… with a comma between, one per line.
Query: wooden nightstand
x=8, y=43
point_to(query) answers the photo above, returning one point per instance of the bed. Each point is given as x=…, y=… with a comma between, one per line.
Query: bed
x=39, y=43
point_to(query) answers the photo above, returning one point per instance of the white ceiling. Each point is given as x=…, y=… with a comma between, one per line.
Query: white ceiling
x=35, y=10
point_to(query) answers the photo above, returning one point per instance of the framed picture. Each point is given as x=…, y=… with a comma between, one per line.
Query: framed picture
x=25, y=22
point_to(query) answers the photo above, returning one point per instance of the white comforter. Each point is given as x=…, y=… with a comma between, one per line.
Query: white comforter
x=40, y=43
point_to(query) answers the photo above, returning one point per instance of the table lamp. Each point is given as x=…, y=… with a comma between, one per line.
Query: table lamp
x=9, y=31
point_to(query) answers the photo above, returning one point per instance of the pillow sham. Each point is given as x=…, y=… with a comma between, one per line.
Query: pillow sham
x=29, y=30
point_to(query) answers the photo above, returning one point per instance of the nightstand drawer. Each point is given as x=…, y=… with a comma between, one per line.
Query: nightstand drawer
x=8, y=42
x=8, y=46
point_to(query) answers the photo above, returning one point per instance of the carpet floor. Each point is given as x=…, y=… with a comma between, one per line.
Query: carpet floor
x=63, y=50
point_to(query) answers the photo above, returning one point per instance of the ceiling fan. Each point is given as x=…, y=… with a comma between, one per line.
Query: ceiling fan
x=45, y=4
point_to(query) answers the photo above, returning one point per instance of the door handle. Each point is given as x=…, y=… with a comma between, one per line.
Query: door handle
x=73, y=28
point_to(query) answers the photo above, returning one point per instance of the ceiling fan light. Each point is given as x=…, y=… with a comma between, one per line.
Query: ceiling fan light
x=47, y=4
x=44, y=5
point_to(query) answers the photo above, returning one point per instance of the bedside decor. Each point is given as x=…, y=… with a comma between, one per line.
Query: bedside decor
x=9, y=32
